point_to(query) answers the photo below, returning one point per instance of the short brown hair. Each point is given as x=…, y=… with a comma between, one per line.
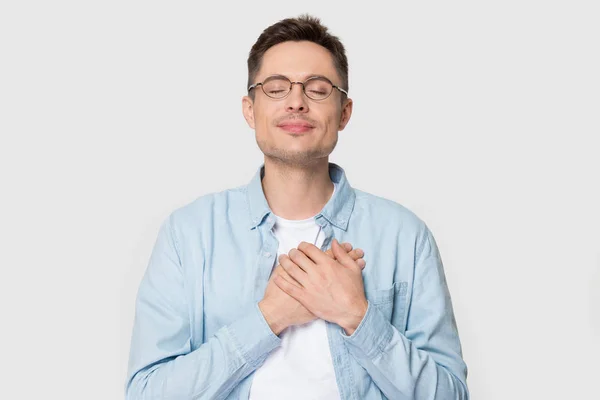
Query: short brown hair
x=305, y=27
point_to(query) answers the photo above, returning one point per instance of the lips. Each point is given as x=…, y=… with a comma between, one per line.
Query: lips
x=295, y=127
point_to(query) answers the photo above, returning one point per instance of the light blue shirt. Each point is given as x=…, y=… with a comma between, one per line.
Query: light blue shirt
x=198, y=331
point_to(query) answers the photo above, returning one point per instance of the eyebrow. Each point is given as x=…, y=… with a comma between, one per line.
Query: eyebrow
x=316, y=76
x=304, y=78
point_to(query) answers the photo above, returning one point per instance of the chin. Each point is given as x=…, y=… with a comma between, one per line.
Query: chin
x=295, y=157
x=295, y=153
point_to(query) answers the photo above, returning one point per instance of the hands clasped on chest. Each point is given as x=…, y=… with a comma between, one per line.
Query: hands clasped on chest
x=310, y=283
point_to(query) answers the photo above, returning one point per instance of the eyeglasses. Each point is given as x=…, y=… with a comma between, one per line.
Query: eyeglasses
x=315, y=87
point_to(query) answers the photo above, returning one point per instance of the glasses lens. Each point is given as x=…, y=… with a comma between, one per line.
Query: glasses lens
x=317, y=88
x=276, y=87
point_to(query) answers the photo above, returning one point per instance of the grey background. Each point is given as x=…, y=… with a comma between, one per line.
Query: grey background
x=481, y=117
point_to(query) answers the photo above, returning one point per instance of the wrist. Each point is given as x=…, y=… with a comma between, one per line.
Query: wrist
x=275, y=322
x=355, y=317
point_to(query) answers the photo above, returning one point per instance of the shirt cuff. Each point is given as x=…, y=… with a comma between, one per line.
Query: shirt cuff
x=371, y=336
x=253, y=337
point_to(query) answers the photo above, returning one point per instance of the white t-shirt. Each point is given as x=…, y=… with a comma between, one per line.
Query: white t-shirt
x=301, y=368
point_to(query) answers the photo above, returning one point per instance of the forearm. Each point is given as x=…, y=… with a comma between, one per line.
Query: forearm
x=399, y=368
x=211, y=371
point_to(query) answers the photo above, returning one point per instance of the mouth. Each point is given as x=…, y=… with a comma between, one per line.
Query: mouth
x=295, y=127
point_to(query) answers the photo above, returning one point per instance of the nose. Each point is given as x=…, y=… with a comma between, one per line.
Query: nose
x=296, y=100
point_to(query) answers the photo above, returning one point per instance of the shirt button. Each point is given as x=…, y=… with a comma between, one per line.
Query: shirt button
x=267, y=254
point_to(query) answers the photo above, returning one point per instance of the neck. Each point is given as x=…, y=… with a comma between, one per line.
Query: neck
x=297, y=192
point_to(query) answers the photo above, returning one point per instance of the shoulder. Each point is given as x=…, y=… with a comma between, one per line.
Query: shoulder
x=386, y=211
x=210, y=206
x=394, y=219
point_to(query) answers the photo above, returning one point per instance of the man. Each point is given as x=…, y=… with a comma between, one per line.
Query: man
x=220, y=315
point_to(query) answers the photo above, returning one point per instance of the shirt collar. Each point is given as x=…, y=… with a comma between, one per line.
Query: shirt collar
x=337, y=210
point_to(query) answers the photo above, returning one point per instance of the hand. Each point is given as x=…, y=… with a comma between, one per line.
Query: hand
x=280, y=310
x=330, y=288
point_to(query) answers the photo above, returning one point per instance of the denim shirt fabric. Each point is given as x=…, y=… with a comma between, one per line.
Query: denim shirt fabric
x=198, y=331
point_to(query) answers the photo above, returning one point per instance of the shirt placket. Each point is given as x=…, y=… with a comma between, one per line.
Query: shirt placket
x=339, y=354
x=267, y=257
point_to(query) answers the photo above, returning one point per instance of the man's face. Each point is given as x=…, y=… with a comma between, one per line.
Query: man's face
x=297, y=130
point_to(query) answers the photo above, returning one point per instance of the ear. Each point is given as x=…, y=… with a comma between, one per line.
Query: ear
x=346, y=113
x=248, y=110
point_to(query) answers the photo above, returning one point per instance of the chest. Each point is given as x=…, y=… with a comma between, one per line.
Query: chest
x=236, y=270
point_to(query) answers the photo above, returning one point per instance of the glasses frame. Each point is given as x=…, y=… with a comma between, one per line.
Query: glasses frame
x=333, y=86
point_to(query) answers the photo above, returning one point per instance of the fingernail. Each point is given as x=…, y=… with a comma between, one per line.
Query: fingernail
x=360, y=252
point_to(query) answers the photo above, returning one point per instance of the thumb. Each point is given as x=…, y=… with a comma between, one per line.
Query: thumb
x=346, y=246
x=341, y=255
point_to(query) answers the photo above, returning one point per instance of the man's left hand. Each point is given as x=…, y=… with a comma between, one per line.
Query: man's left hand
x=332, y=289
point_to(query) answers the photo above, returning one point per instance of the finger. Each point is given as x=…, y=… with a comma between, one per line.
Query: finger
x=340, y=255
x=361, y=263
x=293, y=270
x=292, y=290
x=314, y=253
x=279, y=271
x=347, y=246
x=356, y=254
x=275, y=271
x=301, y=260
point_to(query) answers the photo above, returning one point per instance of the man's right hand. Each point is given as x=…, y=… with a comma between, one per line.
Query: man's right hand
x=281, y=310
